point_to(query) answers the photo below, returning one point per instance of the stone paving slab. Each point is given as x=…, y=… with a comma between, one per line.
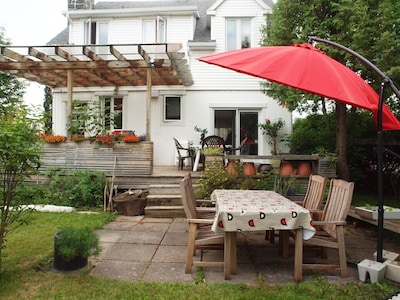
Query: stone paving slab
x=137, y=248
x=170, y=254
x=131, y=252
x=126, y=270
x=167, y=272
x=175, y=238
x=143, y=237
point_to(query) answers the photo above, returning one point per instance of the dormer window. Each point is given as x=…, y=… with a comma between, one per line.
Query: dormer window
x=96, y=32
x=238, y=34
x=154, y=30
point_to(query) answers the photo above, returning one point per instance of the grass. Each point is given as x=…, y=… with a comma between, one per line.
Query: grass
x=28, y=274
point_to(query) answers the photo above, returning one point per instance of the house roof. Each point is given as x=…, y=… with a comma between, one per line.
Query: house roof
x=94, y=65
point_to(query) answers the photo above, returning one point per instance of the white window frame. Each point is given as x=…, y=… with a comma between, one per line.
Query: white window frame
x=165, y=119
x=239, y=26
x=100, y=32
x=154, y=30
x=112, y=110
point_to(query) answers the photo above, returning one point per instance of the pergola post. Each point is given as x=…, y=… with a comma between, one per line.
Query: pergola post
x=148, y=106
x=69, y=102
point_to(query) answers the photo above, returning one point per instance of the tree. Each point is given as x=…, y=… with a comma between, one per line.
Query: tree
x=346, y=22
x=19, y=151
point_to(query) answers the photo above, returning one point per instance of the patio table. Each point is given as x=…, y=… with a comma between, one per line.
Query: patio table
x=255, y=210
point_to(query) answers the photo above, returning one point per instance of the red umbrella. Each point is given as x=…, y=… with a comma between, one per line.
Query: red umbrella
x=306, y=68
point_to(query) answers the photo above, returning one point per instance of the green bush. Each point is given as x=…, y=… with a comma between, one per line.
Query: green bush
x=81, y=188
x=74, y=241
x=217, y=177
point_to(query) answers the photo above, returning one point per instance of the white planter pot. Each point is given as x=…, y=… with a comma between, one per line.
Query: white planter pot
x=392, y=270
x=376, y=270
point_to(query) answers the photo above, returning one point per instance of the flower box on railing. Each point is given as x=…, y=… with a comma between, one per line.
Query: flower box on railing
x=123, y=159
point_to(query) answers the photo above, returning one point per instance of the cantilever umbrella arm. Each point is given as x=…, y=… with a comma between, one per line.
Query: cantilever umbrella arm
x=386, y=81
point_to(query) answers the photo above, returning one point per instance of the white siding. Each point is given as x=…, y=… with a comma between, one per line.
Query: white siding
x=125, y=31
x=213, y=88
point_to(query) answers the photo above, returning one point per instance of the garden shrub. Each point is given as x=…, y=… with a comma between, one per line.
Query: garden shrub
x=217, y=177
x=80, y=189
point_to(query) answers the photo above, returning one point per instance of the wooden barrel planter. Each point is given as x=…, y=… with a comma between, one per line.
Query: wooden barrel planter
x=131, y=203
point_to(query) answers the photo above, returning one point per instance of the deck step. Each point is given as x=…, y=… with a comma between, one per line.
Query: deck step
x=164, y=200
x=164, y=189
x=164, y=212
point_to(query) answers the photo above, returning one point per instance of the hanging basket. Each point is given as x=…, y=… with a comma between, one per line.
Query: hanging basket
x=131, y=203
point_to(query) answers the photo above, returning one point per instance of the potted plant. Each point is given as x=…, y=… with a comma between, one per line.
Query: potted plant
x=73, y=246
x=271, y=129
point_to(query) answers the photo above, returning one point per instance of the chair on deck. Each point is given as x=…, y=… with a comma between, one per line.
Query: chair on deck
x=231, y=151
x=213, y=141
x=189, y=154
x=200, y=235
x=330, y=229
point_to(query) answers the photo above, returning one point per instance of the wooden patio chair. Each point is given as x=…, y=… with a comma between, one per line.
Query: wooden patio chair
x=330, y=229
x=314, y=195
x=203, y=206
x=200, y=235
x=312, y=200
x=181, y=157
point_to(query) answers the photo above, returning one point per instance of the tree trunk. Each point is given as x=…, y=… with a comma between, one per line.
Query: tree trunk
x=341, y=140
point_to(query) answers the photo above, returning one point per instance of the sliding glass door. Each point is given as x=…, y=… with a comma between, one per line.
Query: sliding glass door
x=233, y=125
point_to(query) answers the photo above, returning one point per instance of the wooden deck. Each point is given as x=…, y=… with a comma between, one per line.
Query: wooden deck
x=391, y=225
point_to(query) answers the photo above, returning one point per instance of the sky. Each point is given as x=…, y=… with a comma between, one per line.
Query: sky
x=32, y=23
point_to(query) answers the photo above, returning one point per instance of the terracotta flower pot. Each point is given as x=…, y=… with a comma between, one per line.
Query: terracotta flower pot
x=304, y=169
x=286, y=168
x=249, y=168
x=232, y=168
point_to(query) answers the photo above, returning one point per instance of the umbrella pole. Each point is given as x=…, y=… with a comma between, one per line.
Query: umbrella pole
x=385, y=81
x=379, y=250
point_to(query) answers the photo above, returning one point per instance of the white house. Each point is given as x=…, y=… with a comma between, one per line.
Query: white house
x=224, y=102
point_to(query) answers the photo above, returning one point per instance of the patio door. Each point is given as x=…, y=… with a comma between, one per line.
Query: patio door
x=233, y=125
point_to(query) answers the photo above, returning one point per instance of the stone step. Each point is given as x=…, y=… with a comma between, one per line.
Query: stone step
x=164, y=212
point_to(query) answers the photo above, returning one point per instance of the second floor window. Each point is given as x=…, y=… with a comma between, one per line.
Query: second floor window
x=238, y=34
x=96, y=32
x=154, y=31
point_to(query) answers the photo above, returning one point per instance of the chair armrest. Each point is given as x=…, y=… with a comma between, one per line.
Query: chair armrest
x=339, y=223
x=301, y=203
x=200, y=221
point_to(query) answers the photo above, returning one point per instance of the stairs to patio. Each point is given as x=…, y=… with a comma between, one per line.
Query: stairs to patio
x=164, y=199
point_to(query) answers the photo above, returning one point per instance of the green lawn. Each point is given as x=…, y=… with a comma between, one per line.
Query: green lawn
x=28, y=274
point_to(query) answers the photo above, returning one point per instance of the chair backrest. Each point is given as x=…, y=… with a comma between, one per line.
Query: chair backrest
x=187, y=198
x=179, y=148
x=315, y=192
x=338, y=204
x=213, y=141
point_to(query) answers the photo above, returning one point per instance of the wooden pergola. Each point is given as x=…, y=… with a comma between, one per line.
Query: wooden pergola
x=69, y=66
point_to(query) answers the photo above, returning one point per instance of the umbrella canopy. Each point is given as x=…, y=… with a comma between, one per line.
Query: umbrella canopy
x=306, y=68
